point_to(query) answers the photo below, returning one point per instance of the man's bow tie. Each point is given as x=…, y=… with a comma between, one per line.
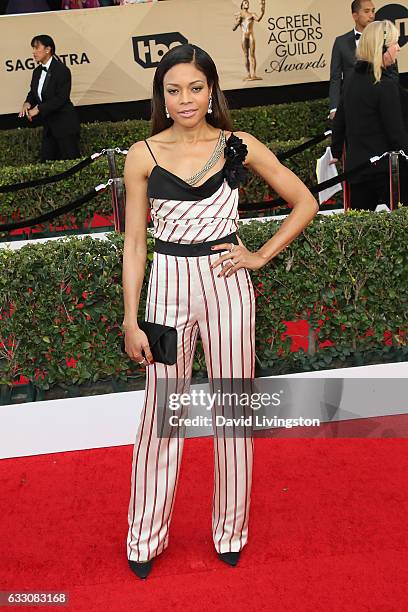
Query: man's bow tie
x=358, y=35
x=44, y=68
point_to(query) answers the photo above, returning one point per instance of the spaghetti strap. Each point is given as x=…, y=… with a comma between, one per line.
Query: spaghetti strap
x=151, y=152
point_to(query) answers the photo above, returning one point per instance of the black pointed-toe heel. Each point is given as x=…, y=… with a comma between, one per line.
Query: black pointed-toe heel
x=142, y=570
x=231, y=558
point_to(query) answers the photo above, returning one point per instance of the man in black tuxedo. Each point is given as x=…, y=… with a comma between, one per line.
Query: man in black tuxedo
x=49, y=99
x=344, y=50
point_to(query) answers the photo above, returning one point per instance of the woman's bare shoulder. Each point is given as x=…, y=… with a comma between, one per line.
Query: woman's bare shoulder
x=257, y=150
x=250, y=141
x=137, y=149
x=138, y=158
x=245, y=136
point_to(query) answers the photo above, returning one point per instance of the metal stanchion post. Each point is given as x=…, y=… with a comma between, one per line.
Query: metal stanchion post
x=311, y=341
x=110, y=153
x=120, y=205
x=346, y=187
x=394, y=179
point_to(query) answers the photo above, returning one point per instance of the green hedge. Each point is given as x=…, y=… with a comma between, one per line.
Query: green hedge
x=29, y=203
x=347, y=275
x=279, y=122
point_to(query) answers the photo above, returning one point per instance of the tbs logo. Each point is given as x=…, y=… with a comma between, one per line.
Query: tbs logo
x=148, y=50
x=399, y=15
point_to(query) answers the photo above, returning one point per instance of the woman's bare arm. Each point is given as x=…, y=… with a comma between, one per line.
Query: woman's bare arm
x=135, y=248
x=284, y=182
x=290, y=188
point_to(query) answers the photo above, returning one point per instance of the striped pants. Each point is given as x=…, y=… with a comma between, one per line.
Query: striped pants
x=186, y=293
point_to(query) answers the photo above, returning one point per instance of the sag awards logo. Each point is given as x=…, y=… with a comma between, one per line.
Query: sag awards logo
x=148, y=50
x=29, y=63
x=295, y=40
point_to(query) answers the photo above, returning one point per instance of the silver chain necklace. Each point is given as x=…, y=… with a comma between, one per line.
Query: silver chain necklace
x=219, y=148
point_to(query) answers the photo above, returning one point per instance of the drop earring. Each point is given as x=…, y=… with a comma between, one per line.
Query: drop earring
x=210, y=105
x=167, y=112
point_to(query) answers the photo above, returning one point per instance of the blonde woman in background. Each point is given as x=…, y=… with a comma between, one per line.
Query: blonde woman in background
x=369, y=120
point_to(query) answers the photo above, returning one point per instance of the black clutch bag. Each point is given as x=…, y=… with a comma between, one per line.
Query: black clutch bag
x=162, y=341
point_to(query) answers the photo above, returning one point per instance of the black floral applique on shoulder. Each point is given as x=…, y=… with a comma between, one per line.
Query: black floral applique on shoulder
x=235, y=152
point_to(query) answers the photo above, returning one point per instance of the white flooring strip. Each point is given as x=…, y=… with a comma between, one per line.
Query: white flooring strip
x=53, y=426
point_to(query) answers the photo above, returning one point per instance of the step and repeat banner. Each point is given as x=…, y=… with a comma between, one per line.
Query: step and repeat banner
x=112, y=52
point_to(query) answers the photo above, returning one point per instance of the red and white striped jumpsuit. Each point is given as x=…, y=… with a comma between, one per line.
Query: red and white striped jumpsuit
x=186, y=293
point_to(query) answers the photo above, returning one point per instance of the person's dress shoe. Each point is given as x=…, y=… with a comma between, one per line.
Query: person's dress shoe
x=231, y=558
x=142, y=570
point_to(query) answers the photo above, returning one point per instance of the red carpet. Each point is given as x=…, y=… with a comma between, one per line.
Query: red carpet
x=328, y=530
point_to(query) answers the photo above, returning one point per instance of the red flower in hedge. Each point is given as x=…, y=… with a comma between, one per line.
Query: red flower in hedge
x=84, y=294
x=71, y=363
x=81, y=305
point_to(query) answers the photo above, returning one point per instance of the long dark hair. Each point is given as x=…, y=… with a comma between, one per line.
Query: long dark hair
x=187, y=54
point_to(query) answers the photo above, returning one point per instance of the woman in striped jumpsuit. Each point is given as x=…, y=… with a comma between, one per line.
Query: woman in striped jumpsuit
x=199, y=283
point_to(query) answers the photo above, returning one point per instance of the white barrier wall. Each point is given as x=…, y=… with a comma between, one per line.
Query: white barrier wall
x=36, y=428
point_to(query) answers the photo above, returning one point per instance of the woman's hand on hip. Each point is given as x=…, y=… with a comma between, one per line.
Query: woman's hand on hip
x=137, y=346
x=238, y=257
